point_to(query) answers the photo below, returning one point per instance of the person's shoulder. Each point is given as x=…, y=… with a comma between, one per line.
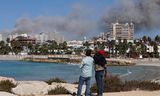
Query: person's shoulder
x=89, y=57
x=86, y=57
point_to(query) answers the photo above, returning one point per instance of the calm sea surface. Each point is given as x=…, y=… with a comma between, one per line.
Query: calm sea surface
x=21, y=70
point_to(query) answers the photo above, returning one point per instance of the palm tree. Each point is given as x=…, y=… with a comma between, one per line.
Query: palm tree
x=62, y=45
x=157, y=39
x=44, y=49
x=149, y=39
x=30, y=48
x=111, y=45
x=3, y=48
x=123, y=47
x=143, y=49
x=145, y=39
x=36, y=49
x=52, y=46
x=155, y=48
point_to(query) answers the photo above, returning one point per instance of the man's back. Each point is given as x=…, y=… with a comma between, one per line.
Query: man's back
x=86, y=66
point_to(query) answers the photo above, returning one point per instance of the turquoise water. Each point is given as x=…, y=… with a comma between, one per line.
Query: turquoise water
x=21, y=70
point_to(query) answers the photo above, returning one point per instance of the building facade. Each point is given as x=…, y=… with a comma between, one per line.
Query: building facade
x=1, y=37
x=42, y=37
x=121, y=31
x=75, y=44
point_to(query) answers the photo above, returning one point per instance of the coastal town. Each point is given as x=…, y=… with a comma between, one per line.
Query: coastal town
x=118, y=42
x=79, y=48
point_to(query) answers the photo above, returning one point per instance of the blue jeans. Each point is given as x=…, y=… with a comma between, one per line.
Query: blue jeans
x=87, y=81
x=99, y=80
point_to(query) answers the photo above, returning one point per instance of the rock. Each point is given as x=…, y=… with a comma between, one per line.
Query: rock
x=10, y=79
x=72, y=88
x=6, y=94
x=31, y=88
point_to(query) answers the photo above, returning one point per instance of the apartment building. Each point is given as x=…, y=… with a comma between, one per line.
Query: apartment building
x=121, y=31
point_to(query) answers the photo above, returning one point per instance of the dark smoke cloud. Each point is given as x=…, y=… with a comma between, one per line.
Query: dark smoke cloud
x=144, y=13
x=75, y=25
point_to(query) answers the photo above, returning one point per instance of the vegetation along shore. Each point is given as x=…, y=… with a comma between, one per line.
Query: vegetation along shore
x=74, y=59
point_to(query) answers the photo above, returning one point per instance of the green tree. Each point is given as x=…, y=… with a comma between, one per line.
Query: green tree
x=4, y=48
x=86, y=44
x=145, y=39
x=157, y=39
x=52, y=46
x=111, y=45
x=30, y=47
x=44, y=49
x=16, y=47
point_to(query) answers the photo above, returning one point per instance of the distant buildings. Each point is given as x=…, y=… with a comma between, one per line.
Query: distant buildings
x=39, y=38
x=23, y=38
x=1, y=37
x=59, y=38
x=75, y=44
x=42, y=37
x=121, y=31
x=15, y=35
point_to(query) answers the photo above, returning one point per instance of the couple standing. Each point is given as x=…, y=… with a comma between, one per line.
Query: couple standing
x=86, y=66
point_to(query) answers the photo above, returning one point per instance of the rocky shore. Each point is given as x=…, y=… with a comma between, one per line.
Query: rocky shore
x=36, y=88
x=41, y=88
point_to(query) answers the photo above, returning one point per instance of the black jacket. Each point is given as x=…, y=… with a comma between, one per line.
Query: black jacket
x=99, y=60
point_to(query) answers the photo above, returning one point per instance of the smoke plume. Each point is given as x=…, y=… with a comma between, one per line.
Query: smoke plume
x=145, y=14
x=75, y=25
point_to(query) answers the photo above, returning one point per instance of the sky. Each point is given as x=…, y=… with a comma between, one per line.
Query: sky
x=77, y=17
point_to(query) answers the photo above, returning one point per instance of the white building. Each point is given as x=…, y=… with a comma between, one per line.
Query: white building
x=121, y=31
x=13, y=36
x=59, y=38
x=159, y=49
x=75, y=44
x=42, y=37
x=150, y=49
x=1, y=37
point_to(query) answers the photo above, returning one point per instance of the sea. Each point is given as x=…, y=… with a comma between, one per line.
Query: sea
x=24, y=70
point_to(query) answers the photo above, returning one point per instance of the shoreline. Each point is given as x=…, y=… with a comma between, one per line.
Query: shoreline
x=75, y=59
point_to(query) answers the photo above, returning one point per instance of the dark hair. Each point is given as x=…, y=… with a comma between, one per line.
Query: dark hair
x=88, y=52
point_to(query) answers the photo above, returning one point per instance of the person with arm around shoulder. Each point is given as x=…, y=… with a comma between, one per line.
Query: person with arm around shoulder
x=100, y=69
x=86, y=68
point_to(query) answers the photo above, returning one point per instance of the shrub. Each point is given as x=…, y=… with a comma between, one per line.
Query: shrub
x=114, y=84
x=93, y=88
x=6, y=85
x=110, y=84
x=76, y=82
x=57, y=80
x=142, y=85
x=58, y=90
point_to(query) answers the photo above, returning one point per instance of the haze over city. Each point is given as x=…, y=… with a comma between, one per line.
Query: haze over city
x=78, y=17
